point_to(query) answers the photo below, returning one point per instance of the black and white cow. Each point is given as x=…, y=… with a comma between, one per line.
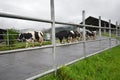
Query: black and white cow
x=31, y=36
x=90, y=34
x=68, y=35
x=77, y=35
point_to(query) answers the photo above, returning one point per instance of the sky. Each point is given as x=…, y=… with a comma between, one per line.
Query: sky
x=65, y=11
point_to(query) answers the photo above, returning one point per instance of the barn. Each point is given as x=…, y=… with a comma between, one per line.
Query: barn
x=95, y=22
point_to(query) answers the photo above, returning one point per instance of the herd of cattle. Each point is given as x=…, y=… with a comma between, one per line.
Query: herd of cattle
x=68, y=35
x=72, y=36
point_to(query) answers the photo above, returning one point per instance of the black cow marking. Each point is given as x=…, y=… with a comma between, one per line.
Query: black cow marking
x=64, y=34
x=36, y=35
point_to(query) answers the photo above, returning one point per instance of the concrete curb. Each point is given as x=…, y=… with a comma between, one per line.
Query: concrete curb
x=24, y=49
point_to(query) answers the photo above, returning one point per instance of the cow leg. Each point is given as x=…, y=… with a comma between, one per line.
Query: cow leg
x=80, y=37
x=26, y=45
x=33, y=43
x=94, y=36
x=27, y=42
x=41, y=41
x=69, y=39
x=61, y=40
x=86, y=37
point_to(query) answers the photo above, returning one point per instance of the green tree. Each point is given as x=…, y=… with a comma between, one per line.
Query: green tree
x=11, y=36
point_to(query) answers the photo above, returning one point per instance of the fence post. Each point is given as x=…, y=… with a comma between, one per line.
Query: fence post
x=100, y=31
x=104, y=28
x=110, y=33
x=116, y=33
x=53, y=35
x=84, y=33
x=7, y=38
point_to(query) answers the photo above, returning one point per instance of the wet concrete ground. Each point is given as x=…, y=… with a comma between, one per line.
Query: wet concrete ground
x=22, y=65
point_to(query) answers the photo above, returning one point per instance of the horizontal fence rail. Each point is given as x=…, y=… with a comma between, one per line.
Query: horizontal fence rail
x=7, y=15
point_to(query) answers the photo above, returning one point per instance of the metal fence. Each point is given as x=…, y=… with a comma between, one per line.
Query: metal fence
x=53, y=22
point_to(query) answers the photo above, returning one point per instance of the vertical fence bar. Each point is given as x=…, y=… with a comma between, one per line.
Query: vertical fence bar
x=116, y=33
x=100, y=32
x=104, y=28
x=84, y=33
x=53, y=34
x=110, y=33
x=7, y=38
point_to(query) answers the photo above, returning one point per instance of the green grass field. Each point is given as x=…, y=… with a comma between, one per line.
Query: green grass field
x=19, y=45
x=102, y=66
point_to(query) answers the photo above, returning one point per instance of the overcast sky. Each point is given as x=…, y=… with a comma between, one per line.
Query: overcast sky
x=65, y=10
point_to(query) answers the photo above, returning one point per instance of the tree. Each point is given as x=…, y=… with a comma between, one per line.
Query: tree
x=10, y=37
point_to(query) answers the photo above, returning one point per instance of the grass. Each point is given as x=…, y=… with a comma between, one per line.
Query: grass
x=102, y=66
x=19, y=45
x=107, y=35
x=112, y=35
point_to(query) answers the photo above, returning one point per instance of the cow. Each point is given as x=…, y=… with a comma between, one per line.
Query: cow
x=31, y=36
x=68, y=35
x=77, y=35
x=90, y=34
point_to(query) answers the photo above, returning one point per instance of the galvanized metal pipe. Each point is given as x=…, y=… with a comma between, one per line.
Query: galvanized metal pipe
x=116, y=33
x=13, y=16
x=53, y=35
x=105, y=27
x=110, y=33
x=8, y=44
x=84, y=33
x=100, y=32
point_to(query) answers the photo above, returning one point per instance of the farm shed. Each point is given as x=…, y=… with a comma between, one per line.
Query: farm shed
x=95, y=22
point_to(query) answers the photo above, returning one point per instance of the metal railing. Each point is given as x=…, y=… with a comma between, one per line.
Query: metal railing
x=53, y=22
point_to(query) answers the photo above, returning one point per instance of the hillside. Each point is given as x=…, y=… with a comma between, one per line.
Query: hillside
x=60, y=28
